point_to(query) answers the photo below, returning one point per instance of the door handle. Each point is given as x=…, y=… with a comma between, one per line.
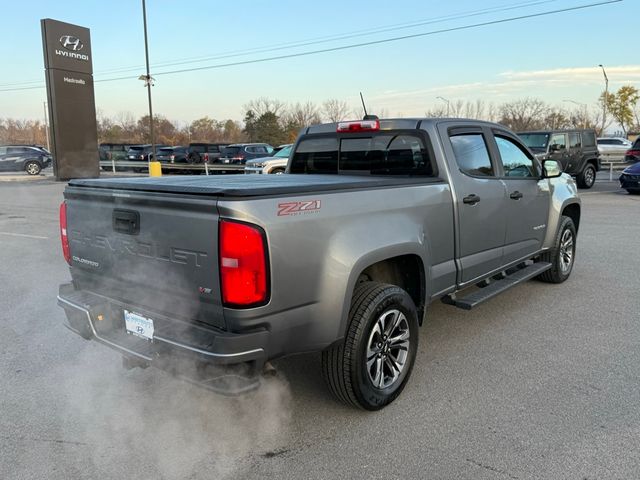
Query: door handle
x=471, y=199
x=126, y=221
x=516, y=195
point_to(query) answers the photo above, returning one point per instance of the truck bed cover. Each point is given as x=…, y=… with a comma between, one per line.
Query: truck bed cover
x=252, y=185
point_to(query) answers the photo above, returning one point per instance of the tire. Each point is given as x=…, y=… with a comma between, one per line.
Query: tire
x=587, y=177
x=557, y=256
x=633, y=192
x=277, y=171
x=375, y=308
x=32, y=168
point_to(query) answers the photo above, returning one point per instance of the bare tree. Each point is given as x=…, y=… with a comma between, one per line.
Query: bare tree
x=262, y=105
x=335, y=110
x=524, y=114
x=301, y=115
x=436, y=112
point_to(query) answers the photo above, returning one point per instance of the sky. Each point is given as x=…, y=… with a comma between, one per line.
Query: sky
x=553, y=57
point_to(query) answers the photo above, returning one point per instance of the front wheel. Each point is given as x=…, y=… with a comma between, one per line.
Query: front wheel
x=372, y=365
x=32, y=168
x=588, y=176
x=277, y=171
x=562, y=255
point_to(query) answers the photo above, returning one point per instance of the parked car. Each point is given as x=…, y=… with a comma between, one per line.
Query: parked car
x=24, y=158
x=172, y=154
x=115, y=151
x=142, y=152
x=375, y=220
x=198, y=152
x=276, y=164
x=613, y=146
x=633, y=154
x=239, y=153
x=630, y=178
x=575, y=150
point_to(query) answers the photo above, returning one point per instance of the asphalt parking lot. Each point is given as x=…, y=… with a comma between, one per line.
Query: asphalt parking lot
x=541, y=382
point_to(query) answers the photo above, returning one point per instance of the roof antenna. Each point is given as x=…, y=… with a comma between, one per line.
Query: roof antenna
x=364, y=107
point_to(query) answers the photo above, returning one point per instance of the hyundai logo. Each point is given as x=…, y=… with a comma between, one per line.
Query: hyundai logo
x=71, y=43
x=140, y=329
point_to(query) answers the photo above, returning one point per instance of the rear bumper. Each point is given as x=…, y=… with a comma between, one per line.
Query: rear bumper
x=176, y=346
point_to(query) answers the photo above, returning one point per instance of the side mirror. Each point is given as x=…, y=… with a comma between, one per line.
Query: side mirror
x=551, y=169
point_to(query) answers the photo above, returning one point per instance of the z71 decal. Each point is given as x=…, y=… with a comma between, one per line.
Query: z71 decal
x=298, y=208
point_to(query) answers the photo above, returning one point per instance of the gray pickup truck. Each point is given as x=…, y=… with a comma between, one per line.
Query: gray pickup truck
x=212, y=277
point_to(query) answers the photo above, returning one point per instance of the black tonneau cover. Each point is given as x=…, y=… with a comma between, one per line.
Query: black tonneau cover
x=251, y=185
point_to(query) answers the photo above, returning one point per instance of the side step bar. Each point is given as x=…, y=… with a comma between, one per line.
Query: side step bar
x=496, y=287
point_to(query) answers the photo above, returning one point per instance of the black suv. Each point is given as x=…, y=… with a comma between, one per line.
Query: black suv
x=115, y=151
x=241, y=152
x=28, y=158
x=576, y=150
x=198, y=152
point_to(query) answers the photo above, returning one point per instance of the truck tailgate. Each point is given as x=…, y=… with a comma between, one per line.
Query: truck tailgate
x=154, y=252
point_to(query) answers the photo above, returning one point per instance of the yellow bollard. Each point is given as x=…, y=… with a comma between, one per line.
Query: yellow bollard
x=155, y=169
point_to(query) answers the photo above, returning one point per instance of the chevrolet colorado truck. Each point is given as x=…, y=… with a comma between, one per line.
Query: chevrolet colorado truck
x=212, y=277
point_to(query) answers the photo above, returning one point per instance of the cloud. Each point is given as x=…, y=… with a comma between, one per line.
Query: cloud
x=586, y=75
x=551, y=84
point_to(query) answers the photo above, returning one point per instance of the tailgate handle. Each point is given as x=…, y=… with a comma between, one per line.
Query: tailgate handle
x=126, y=221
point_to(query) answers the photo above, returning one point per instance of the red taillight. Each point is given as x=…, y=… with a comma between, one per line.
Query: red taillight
x=243, y=264
x=633, y=152
x=64, y=238
x=359, y=126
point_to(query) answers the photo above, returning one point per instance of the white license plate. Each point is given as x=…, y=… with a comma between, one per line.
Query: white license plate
x=138, y=325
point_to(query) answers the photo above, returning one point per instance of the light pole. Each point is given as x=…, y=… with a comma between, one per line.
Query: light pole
x=148, y=80
x=604, y=100
x=448, y=103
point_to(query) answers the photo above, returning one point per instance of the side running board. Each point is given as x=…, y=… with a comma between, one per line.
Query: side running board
x=496, y=287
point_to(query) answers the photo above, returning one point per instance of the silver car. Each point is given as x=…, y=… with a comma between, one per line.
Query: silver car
x=613, y=146
x=276, y=164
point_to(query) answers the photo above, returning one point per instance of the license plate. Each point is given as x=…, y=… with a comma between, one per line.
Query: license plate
x=138, y=325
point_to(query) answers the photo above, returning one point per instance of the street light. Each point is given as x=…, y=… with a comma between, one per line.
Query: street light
x=448, y=103
x=606, y=96
x=148, y=82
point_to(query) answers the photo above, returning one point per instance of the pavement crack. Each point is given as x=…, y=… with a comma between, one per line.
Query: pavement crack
x=275, y=453
x=489, y=467
x=46, y=440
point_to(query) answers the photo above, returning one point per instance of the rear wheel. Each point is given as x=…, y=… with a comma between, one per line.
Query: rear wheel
x=372, y=365
x=562, y=255
x=32, y=168
x=587, y=178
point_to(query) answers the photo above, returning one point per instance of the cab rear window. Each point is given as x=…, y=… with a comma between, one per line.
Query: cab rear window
x=384, y=153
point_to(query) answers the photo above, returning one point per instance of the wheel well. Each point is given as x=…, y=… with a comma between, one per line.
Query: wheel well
x=405, y=271
x=594, y=162
x=573, y=212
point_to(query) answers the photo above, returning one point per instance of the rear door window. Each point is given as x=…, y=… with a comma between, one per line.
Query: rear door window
x=472, y=154
x=575, y=141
